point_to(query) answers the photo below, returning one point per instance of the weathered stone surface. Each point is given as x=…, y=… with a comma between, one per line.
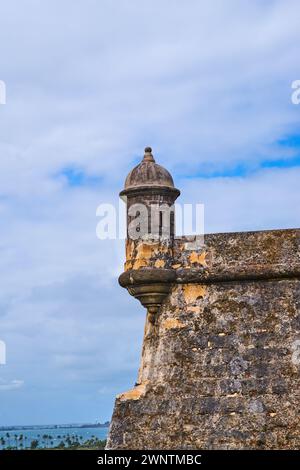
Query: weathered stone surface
x=148, y=173
x=239, y=256
x=217, y=367
x=220, y=364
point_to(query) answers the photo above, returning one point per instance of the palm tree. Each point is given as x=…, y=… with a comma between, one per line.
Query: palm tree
x=45, y=438
x=34, y=444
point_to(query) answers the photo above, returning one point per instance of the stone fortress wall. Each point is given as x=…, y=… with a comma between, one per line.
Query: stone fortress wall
x=221, y=351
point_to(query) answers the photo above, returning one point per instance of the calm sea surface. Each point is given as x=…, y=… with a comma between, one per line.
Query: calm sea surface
x=48, y=437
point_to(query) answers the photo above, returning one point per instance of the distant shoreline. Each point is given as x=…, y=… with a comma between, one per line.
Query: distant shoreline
x=54, y=426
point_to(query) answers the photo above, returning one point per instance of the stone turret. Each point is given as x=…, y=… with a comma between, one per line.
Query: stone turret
x=150, y=195
x=221, y=350
x=150, y=186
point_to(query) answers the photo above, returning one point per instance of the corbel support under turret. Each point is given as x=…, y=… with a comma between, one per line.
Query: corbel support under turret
x=150, y=286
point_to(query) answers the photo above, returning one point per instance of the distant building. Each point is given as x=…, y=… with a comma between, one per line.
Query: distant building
x=221, y=351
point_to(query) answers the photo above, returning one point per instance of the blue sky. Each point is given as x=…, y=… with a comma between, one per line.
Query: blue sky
x=89, y=84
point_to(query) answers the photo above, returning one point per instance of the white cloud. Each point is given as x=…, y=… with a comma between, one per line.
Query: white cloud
x=7, y=386
x=267, y=199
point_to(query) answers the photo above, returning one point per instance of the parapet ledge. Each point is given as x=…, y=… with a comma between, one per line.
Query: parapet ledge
x=239, y=256
x=223, y=257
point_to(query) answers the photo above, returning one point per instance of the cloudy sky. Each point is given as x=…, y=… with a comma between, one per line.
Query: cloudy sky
x=89, y=84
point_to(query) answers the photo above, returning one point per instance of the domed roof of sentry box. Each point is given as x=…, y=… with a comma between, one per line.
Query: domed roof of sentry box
x=149, y=174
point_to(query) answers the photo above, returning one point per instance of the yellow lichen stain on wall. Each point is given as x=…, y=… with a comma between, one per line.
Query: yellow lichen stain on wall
x=129, y=255
x=159, y=263
x=134, y=394
x=127, y=265
x=146, y=251
x=194, y=309
x=140, y=254
x=192, y=292
x=143, y=255
x=139, y=263
x=172, y=323
x=199, y=258
x=129, y=249
x=176, y=266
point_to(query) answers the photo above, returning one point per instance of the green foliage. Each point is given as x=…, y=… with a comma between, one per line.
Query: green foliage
x=46, y=442
x=34, y=444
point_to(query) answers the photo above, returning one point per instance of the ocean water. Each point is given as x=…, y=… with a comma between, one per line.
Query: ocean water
x=54, y=436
